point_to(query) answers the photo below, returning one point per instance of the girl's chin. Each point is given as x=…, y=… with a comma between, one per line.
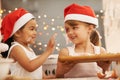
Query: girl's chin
x=32, y=42
x=75, y=42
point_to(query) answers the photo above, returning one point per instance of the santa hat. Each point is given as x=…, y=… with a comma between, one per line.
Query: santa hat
x=80, y=13
x=14, y=21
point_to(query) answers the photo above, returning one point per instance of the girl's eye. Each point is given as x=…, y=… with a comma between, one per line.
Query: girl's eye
x=75, y=27
x=33, y=28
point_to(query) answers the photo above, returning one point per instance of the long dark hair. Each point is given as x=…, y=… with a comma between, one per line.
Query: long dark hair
x=8, y=42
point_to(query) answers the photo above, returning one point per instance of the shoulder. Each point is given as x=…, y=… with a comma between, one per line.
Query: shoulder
x=64, y=52
x=16, y=50
x=15, y=47
x=102, y=50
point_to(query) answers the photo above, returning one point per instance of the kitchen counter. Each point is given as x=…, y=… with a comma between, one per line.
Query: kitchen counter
x=90, y=78
x=27, y=78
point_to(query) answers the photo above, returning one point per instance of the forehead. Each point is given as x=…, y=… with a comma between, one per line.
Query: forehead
x=75, y=23
x=72, y=22
x=32, y=21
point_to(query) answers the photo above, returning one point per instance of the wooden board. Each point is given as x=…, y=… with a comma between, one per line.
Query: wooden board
x=92, y=58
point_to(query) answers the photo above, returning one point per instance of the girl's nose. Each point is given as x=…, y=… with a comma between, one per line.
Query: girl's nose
x=70, y=32
x=35, y=32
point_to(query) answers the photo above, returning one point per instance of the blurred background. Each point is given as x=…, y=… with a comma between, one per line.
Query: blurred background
x=49, y=16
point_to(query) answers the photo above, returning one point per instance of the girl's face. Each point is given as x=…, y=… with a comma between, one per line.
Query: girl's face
x=77, y=32
x=28, y=32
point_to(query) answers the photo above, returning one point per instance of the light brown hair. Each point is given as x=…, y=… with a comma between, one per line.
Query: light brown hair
x=95, y=38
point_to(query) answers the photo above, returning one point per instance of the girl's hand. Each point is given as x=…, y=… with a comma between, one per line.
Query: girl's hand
x=104, y=65
x=68, y=65
x=51, y=44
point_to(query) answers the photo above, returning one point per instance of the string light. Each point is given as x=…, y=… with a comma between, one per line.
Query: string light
x=45, y=28
x=16, y=8
x=1, y=11
x=45, y=16
x=45, y=45
x=58, y=44
x=57, y=48
x=97, y=15
x=101, y=11
x=62, y=29
x=9, y=11
x=53, y=20
x=53, y=29
x=39, y=43
x=39, y=17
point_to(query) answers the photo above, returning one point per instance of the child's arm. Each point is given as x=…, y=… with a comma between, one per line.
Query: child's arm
x=64, y=67
x=18, y=54
x=104, y=64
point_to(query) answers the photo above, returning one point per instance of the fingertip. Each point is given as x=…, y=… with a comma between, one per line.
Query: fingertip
x=55, y=34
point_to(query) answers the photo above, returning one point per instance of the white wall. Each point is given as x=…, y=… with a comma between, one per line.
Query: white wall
x=112, y=25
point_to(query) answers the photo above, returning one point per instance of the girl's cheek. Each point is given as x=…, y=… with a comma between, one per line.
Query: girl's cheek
x=29, y=39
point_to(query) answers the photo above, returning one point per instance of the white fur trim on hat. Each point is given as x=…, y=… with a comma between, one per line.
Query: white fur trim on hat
x=22, y=21
x=83, y=18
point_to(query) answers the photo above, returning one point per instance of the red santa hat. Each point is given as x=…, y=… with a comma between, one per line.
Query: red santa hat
x=80, y=13
x=14, y=21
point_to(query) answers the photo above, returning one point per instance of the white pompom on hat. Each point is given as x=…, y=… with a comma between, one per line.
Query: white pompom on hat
x=13, y=21
x=3, y=47
x=80, y=13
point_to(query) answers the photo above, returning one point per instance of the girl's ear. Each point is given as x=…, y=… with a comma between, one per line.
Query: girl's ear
x=90, y=29
x=17, y=34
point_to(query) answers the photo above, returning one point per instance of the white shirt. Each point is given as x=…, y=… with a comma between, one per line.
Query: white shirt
x=17, y=70
x=83, y=69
